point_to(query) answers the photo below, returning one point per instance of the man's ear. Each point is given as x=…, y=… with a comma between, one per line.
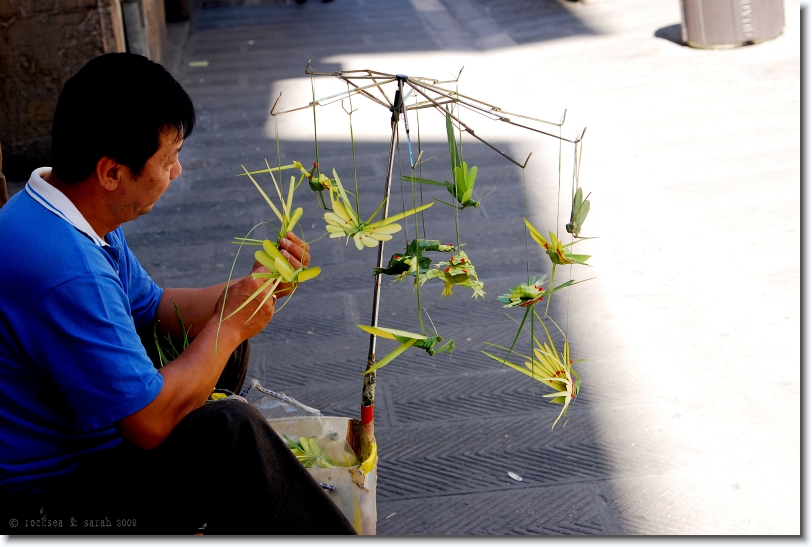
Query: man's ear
x=108, y=172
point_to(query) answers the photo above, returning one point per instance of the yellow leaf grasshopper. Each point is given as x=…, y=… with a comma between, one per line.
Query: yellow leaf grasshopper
x=344, y=221
x=464, y=178
x=280, y=268
x=407, y=340
x=556, y=251
x=549, y=367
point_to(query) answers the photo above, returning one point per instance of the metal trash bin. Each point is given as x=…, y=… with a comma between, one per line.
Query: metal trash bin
x=720, y=24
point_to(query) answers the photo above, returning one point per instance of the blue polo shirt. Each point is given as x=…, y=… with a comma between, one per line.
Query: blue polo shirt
x=71, y=362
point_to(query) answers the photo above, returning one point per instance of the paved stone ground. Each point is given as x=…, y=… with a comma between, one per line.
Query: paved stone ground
x=688, y=421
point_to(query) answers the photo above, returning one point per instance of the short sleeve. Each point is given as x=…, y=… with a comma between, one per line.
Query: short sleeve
x=85, y=339
x=143, y=294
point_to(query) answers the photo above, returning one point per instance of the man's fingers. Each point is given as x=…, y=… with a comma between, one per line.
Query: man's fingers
x=292, y=259
x=296, y=240
x=293, y=247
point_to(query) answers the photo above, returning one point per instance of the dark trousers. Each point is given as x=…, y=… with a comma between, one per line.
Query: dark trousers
x=222, y=466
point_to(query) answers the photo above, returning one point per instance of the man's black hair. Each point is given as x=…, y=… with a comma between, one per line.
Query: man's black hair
x=116, y=106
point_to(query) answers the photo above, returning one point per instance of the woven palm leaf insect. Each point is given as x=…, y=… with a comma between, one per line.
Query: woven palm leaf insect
x=457, y=271
x=344, y=221
x=280, y=268
x=530, y=293
x=402, y=265
x=527, y=295
x=556, y=251
x=407, y=340
x=580, y=208
x=317, y=182
x=464, y=178
x=550, y=367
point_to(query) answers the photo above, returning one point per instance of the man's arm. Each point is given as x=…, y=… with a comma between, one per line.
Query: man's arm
x=197, y=305
x=189, y=379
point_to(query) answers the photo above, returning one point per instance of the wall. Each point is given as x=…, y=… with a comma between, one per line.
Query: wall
x=43, y=43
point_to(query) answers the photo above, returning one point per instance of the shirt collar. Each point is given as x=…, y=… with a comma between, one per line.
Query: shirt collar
x=59, y=204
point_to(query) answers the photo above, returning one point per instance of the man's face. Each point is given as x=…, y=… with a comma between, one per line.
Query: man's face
x=143, y=190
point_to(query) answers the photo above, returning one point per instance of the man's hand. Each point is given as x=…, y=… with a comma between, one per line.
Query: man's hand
x=298, y=254
x=245, y=323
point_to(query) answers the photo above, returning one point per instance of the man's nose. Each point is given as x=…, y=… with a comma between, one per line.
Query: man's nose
x=176, y=171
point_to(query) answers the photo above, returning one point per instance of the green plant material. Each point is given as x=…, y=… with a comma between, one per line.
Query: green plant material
x=556, y=251
x=457, y=271
x=527, y=295
x=464, y=178
x=530, y=293
x=407, y=340
x=169, y=352
x=280, y=268
x=317, y=181
x=580, y=208
x=285, y=213
x=344, y=221
x=402, y=265
x=550, y=367
x=308, y=452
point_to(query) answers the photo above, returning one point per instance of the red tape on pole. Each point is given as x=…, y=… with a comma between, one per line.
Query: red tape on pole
x=367, y=414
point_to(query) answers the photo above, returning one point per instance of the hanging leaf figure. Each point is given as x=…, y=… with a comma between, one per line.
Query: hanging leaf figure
x=407, y=340
x=317, y=182
x=580, y=208
x=556, y=251
x=457, y=271
x=464, y=178
x=527, y=295
x=344, y=221
x=549, y=367
x=402, y=265
x=530, y=293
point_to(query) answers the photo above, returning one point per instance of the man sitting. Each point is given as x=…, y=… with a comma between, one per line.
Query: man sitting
x=90, y=430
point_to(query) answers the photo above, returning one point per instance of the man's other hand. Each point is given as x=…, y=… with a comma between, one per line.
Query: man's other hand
x=297, y=252
x=246, y=323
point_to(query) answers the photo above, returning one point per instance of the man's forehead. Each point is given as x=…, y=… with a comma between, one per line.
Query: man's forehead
x=172, y=139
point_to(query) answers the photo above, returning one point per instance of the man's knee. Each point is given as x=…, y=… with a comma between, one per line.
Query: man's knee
x=219, y=422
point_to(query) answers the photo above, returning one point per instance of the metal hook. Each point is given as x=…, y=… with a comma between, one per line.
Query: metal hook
x=349, y=113
x=275, y=103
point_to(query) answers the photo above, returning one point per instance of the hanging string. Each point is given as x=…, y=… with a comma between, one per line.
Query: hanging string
x=352, y=142
x=560, y=167
x=576, y=183
x=317, y=170
x=420, y=172
x=526, y=231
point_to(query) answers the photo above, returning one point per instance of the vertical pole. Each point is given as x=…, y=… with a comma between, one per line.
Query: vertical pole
x=368, y=394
